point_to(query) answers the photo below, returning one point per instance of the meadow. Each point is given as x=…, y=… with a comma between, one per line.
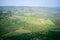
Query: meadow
x=29, y=23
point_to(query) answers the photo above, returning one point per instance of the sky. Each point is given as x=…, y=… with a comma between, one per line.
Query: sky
x=41, y=3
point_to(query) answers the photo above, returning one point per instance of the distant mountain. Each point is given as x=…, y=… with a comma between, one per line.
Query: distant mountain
x=18, y=8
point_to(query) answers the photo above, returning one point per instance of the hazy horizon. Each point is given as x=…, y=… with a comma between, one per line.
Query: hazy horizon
x=32, y=3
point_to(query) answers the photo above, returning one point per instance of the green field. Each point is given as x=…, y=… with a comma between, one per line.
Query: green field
x=29, y=24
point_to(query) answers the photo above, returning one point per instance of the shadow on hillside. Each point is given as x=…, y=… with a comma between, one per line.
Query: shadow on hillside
x=51, y=35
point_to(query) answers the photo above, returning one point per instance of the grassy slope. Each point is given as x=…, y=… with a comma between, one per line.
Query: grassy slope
x=31, y=24
x=22, y=24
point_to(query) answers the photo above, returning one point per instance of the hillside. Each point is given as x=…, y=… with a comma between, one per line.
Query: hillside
x=29, y=23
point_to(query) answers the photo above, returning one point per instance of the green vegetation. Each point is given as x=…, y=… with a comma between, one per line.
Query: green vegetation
x=33, y=24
